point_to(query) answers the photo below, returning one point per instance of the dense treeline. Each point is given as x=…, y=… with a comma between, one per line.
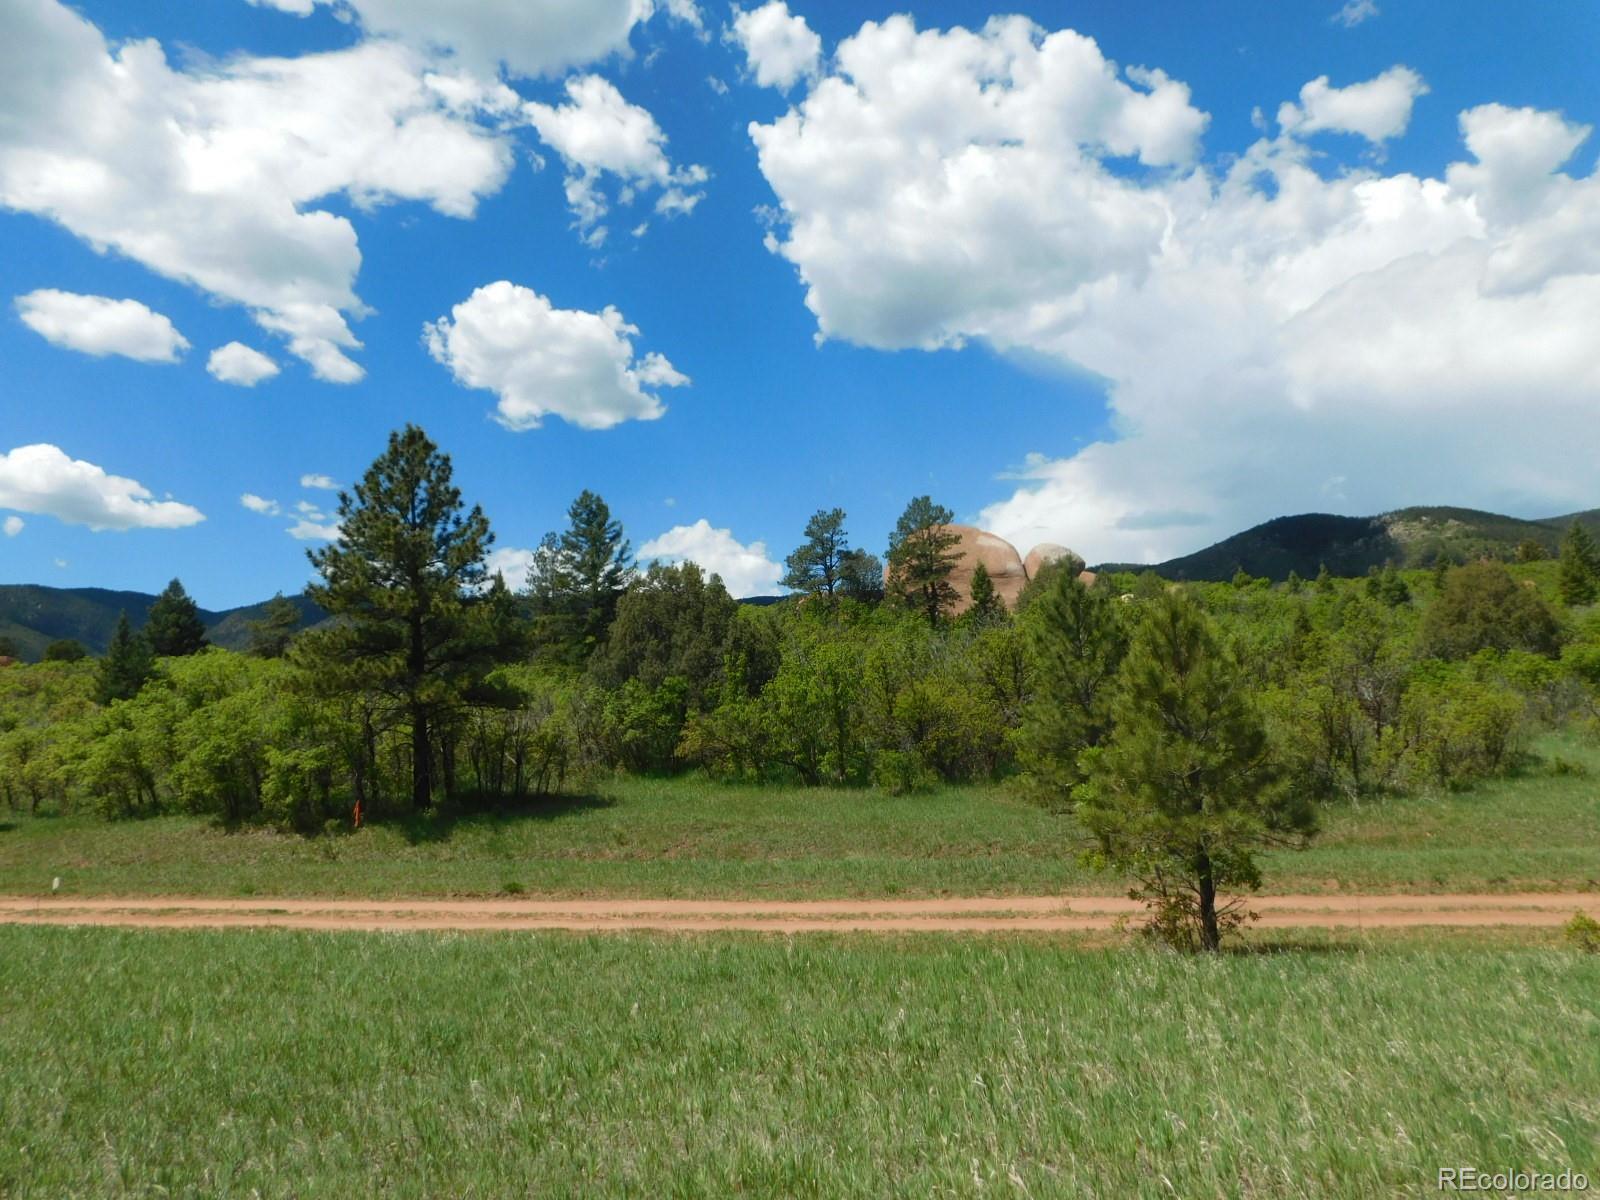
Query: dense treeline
x=435, y=682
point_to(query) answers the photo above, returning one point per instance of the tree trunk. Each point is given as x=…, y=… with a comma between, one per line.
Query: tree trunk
x=1210, y=934
x=421, y=760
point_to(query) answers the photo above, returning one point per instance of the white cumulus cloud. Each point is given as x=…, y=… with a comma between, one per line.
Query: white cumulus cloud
x=1337, y=338
x=745, y=569
x=597, y=133
x=320, y=482
x=239, y=364
x=12, y=526
x=42, y=479
x=99, y=325
x=780, y=49
x=542, y=360
x=259, y=504
x=513, y=562
x=1378, y=109
x=527, y=37
x=211, y=175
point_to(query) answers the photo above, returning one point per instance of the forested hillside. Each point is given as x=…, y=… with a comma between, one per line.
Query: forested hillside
x=1407, y=537
x=32, y=616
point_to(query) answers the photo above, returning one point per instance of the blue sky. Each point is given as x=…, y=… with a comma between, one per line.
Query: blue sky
x=1071, y=303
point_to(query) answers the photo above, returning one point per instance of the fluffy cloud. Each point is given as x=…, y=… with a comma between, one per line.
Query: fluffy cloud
x=12, y=526
x=320, y=482
x=1278, y=336
x=1378, y=109
x=260, y=504
x=544, y=360
x=41, y=479
x=529, y=38
x=598, y=133
x=238, y=364
x=745, y=570
x=779, y=48
x=513, y=563
x=99, y=325
x=313, y=525
x=210, y=175
x=940, y=185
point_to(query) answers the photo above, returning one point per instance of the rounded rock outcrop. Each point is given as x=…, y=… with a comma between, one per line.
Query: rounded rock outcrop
x=1046, y=553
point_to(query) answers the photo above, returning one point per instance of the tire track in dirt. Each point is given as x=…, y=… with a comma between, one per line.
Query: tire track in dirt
x=998, y=914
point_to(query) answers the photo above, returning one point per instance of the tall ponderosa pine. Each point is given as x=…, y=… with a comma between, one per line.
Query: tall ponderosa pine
x=1079, y=641
x=405, y=580
x=1184, y=790
x=922, y=555
x=174, y=627
x=127, y=666
x=1579, y=577
x=815, y=567
x=579, y=575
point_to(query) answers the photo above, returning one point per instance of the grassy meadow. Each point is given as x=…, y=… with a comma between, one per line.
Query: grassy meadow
x=418, y=1065
x=691, y=837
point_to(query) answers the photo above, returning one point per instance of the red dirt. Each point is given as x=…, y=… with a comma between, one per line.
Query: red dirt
x=1046, y=914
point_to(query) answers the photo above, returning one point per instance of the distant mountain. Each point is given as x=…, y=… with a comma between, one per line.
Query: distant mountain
x=34, y=616
x=1407, y=537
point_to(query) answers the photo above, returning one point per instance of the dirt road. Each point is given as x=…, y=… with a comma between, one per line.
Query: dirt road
x=1044, y=914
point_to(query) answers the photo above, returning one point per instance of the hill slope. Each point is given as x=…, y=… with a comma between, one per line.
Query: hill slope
x=1407, y=537
x=34, y=616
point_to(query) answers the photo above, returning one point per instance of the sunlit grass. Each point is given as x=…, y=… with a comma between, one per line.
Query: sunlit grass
x=240, y=1063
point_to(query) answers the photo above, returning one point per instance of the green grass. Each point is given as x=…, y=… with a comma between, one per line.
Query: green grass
x=279, y=1064
x=692, y=838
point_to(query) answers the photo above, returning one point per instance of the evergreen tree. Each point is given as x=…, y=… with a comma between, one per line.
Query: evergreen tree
x=1294, y=583
x=405, y=582
x=1579, y=568
x=127, y=666
x=861, y=576
x=1324, y=582
x=986, y=607
x=1529, y=550
x=579, y=575
x=174, y=627
x=270, y=636
x=65, y=650
x=922, y=556
x=1184, y=791
x=814, y=568
x=1392, y=589
x=1078, y=642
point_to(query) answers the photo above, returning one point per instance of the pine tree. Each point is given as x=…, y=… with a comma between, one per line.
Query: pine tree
x=815, y=567
x=270, y=636
x=861, y=576
x=1579, y=568
x=1324, y=581
x=405, y=580
x=578, y=576
x=986, y=607
x=1294, y=583
x=174, y=627
x=1078, y=642
x=922, y=556
x=1184, y=790
x=127, y=666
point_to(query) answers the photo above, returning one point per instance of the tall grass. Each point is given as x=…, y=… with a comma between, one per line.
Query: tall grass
x=289, y=1064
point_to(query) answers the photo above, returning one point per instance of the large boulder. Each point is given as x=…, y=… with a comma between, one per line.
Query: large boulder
x=1048, y=552
x=998, y=556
